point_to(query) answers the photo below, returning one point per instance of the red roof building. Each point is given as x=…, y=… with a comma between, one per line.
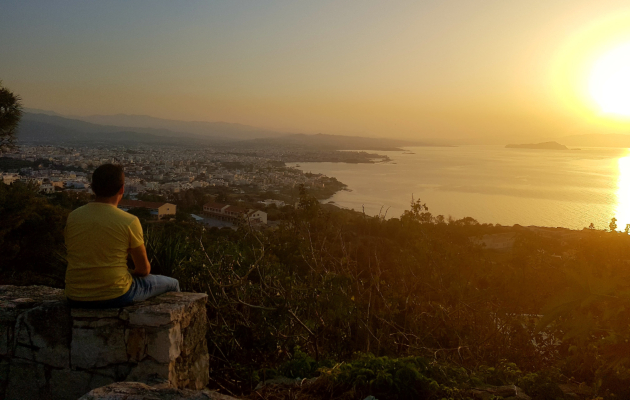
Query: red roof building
x=226, y=212
x=159, y=209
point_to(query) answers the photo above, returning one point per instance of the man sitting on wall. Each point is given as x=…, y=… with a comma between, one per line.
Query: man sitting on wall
x=98, y=238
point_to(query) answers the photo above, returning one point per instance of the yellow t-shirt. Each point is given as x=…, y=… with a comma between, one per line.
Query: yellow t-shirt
x=98, y=236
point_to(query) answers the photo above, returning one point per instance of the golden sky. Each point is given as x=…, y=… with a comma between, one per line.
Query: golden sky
x=466, y=71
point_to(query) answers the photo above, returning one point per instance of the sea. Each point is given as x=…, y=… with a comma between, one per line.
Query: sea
x=492, y=184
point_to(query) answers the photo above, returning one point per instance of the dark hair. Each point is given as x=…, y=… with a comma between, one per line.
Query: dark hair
x=107, y=180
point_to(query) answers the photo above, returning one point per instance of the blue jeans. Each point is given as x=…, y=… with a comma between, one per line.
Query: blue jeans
x=141, y=289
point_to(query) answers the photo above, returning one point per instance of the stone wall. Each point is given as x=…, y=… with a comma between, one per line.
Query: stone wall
x=48, y=351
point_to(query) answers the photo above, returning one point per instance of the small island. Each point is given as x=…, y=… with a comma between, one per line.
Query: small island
x=538, y=146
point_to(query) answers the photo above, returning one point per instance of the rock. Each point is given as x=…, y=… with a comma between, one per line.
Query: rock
x=136, y=339
x=88, y=313
x=156, y=315
x=6, y=337
x=27, y=380
x=48, y=351
x=140, y=391
x=118, y=372
x=192, y=368
x=99, y=346
x=278, y=381
x=481, y=394
x=571, y=391
x=8, y=311
x=508, y=392
x=150, y=369
x=69, y=384
x=194, y=333
x=164, y=343
x=168, y=310
x=30, y=294
x=49, y=341
x=4, y=375
x=98, y=381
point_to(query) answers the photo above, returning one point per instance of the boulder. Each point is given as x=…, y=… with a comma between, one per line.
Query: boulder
x=508, y=392
x=141, y=391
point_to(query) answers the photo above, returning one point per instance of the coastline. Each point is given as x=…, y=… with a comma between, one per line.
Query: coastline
x=532, y=188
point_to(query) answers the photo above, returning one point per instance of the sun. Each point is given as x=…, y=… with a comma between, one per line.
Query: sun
x=609, y=82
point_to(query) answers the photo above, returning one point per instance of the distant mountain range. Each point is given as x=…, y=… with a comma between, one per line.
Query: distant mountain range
x=46, y=127
x=224, y=130
x=51, y=129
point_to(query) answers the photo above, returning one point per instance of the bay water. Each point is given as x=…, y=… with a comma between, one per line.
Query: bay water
x=493, y=184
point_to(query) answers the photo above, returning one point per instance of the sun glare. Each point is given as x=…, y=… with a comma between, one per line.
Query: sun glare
x=609, y=82
x=622, y=209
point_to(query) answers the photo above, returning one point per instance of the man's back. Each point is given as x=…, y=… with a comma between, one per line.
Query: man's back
x=98, y=236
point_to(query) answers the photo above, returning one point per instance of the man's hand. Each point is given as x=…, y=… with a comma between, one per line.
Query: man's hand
x=140, y=261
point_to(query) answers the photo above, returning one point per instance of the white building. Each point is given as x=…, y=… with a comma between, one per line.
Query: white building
x=269, y=202
x=47, y=187
x=8, y=179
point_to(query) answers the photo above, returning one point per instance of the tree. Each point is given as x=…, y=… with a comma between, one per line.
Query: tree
x=10, y=114
x=31, y=237
x=613, y=224
x=142, y=213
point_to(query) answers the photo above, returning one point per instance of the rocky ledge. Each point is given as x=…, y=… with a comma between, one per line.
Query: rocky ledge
x=48, y=351
x=140, y=391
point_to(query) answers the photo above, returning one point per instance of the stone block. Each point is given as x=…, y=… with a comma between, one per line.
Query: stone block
x=30, y=296
x=167, y=308
x=136, y=339
x=117, y=372
x=98, y=381
x=8, y=311
x=23, y=352
x=46, y=328
x=193, y=370
x=68, y=384
x=194, y=309
x=195, y=332
x=156, y=314
x=164, y=343
x=98, y=314
x=99, y=346
x=27, y=380
x=151, y=370
x=6, y=339
x=95, y=323
x=4, y=376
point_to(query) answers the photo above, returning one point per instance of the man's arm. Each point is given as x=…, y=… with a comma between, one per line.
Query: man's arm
x=140, y=261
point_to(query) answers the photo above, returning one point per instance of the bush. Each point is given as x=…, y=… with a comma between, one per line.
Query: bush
x=394, y=378
x=31, y=237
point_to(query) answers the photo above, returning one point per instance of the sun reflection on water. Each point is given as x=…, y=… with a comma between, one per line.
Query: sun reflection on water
x=622, y=211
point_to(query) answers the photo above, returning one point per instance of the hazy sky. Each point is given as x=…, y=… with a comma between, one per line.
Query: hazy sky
x=505, y=69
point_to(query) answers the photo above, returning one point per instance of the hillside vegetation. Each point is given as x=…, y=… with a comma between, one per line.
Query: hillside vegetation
x=407, y=307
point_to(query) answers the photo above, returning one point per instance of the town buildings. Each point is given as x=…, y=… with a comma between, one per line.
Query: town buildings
x=163, y=169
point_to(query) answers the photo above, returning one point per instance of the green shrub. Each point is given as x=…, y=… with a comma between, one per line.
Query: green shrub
x=541, y=385
x=394, y=378
x=300, y=366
